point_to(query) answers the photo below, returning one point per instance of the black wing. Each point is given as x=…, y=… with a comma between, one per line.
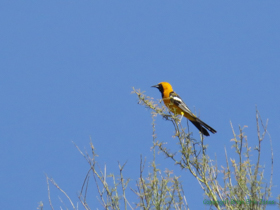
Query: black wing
x=175, y=98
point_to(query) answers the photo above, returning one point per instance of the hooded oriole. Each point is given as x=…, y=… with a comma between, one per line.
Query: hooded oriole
x=176, y=105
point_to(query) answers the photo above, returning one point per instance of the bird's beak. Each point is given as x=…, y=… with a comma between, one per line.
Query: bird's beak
x=156, y=86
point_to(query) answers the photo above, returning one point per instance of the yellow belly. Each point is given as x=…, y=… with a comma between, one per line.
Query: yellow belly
x=177, y=111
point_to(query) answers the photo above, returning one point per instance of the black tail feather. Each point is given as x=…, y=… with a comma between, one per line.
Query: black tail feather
x=200, y=128
x=202, y=125
x=212, y=130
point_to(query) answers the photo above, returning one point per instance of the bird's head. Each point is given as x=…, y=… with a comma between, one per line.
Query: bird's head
x=163, y=86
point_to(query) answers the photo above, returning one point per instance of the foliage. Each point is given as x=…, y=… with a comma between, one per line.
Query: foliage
x=243, y=185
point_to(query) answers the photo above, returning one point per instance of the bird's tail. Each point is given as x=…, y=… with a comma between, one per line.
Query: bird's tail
x=212, y=130
x=200, y=128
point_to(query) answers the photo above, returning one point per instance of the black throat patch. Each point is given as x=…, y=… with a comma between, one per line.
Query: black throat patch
x=160, y=89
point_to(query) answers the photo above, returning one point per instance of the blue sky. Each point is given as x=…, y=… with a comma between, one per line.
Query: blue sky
x=67, y=72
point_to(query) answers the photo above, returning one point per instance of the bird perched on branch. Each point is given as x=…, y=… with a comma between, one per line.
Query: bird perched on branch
x=176, y=105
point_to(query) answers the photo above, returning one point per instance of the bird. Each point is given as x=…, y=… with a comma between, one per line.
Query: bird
x=176, y=105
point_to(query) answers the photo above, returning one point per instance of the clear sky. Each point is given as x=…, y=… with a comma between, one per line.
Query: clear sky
x=67, y=72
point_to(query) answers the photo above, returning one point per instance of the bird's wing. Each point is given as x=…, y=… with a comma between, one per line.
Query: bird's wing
x=175, y=98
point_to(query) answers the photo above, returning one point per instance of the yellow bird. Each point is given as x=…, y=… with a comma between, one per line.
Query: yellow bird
x=176, y=105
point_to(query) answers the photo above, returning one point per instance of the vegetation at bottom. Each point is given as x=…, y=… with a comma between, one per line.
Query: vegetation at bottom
x=243, y=185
